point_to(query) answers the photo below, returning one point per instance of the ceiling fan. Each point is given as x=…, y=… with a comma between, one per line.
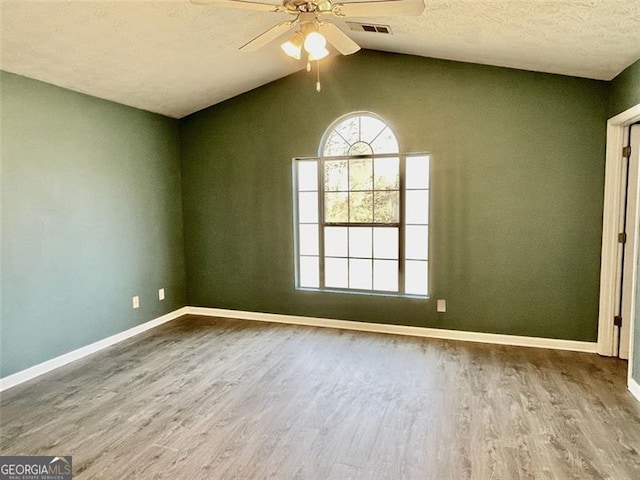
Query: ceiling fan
x=312, y=32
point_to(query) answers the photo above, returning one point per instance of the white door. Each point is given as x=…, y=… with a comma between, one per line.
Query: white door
x=629, y=271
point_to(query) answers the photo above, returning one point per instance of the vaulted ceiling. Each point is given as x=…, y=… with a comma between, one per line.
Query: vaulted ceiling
x=174, y=58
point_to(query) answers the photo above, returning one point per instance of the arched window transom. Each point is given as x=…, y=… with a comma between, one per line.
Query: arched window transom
x=358, y=134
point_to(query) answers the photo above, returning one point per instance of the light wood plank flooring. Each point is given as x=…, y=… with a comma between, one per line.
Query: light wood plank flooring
x=203, y=398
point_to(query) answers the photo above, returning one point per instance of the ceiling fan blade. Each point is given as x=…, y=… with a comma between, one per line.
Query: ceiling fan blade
x=242, y=5
x=338, y=38
x=384, y=8
x=266, y=37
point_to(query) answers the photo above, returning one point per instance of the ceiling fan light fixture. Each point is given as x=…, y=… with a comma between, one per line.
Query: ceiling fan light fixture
x=293, y=46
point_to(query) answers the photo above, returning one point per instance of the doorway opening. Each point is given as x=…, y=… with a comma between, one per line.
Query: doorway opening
x=620, y=242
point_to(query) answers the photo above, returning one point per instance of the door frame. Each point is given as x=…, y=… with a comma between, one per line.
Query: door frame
x=613, y=185
x=629, y=250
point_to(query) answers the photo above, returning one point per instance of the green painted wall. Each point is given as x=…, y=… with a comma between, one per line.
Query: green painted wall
x=517, y=188
x=91, y=201
x=625, y=90
x=91, y=215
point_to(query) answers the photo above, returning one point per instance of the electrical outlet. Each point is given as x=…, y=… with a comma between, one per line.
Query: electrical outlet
x=135, y=301
x=161, y=294
x=441, y=305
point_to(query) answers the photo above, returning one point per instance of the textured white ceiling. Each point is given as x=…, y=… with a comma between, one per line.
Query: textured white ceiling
x=175, y=58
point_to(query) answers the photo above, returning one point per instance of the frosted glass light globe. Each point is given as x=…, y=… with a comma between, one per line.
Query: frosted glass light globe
x=315, y=43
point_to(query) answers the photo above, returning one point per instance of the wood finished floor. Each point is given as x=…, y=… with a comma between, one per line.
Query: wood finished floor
x=203, y=398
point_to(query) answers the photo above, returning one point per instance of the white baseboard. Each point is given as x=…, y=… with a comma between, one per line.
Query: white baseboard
x=500, y=339
x=634, y=388
x=32, y=372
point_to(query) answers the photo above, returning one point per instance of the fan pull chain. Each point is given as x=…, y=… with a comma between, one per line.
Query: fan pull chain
x=318, y=86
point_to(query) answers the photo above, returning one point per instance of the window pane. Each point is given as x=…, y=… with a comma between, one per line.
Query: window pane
x=335, y=146
x=417, y=172
x=415, y=277
x=308, y=207
x=350, y=129
x=387, y=173
x=385, y=143
x=336, y=207
x=336, y=272
x=360, y=273
x=417, y=206
x=335, y=241
x=385, y=275
x=360, y=242
x=336, y=176
x=308, y=240
x=370, y=127
x=385, y=243
x=307, y=176
x=309, y=272
x=361, y=207
x=387, y=207
x=361, y=174
x=416, y=242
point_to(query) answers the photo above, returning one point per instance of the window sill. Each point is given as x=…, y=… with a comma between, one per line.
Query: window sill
x=363, y=293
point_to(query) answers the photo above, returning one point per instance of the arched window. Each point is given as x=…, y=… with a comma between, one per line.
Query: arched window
x=358, y=134
x=362, y=212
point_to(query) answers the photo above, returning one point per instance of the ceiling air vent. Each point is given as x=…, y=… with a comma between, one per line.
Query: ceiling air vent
x=369, y=27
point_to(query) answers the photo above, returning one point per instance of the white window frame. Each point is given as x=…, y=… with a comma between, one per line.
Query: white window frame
x=400, y=225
